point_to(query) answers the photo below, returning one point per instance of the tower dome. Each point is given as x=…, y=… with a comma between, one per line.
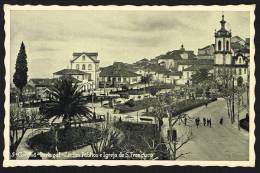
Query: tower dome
x=223, y=32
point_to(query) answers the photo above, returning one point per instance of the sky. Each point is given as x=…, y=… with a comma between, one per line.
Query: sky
x=50, y=37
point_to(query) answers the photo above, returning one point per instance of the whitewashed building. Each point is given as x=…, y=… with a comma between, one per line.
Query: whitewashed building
x=87, y=62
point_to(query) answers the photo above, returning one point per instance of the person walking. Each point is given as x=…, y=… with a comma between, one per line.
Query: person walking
x=210, y=123
x=204, y=121
x=221, y=121
x=196, y=122
x=185, y=121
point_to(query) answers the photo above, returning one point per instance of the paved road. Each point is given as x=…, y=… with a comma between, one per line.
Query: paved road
x=221, y=142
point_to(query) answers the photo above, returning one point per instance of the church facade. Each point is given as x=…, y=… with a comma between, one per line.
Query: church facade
x=227, y=62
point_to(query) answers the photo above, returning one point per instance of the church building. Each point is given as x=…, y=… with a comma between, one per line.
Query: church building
x=225, y=61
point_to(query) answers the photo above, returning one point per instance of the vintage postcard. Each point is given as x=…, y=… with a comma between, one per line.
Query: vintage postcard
x=128, y=85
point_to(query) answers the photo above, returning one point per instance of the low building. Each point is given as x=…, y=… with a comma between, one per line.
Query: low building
x=41, y=86
x=169, y=59
x=117, y=75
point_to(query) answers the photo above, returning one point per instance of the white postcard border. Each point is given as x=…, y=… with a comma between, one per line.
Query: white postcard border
x=12, y=163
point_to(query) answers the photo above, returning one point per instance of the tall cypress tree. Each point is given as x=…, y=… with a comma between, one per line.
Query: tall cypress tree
x=21, y=69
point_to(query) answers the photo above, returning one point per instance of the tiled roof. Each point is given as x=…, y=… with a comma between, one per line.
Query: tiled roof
x=176, y=54
x=70, y=72
x=198, y=67
x=237, y=47
x=236, y=38
x=116, y=71
x=76, y=55
x=206, y=47
x=196, y=62
x=171, y=55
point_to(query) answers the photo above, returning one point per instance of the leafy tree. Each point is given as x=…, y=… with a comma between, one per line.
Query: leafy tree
x=67, y=101
x=200, y=76
x=20, y=76
x=225, y=83
x=20, y=121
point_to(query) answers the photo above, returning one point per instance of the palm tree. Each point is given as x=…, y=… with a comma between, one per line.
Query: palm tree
x=66, y=102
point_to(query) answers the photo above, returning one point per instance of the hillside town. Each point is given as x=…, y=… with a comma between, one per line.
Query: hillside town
x=195, y=102
x=174, y=67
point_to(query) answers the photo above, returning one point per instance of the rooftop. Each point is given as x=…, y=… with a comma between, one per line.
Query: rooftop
x=198, y=67
x=69, y=72
x=196, y=62
x=117, y=70
x=91, y=55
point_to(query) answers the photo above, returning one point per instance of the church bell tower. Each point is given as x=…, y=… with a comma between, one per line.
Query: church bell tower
x=222, y=55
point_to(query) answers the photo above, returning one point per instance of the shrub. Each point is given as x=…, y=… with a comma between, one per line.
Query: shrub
x=68, y=139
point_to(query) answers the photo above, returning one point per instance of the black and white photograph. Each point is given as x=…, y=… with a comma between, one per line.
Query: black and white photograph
x=128, y=85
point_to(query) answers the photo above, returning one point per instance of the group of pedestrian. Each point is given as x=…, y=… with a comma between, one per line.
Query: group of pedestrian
x=206, y=121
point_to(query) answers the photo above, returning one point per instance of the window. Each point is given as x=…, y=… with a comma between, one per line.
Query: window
x=239, y=60
x=119, y=79
x=240, y=71
x=108, y=79
x=89, y=77
x=83, y=67
x=219, y=45
x=83, y=58
x=244, y=70
x=89, y=67
x=227, y=45
x=124, y=79
x=77, y=66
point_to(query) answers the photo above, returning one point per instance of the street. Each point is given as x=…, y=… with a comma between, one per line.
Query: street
x=220, y=142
